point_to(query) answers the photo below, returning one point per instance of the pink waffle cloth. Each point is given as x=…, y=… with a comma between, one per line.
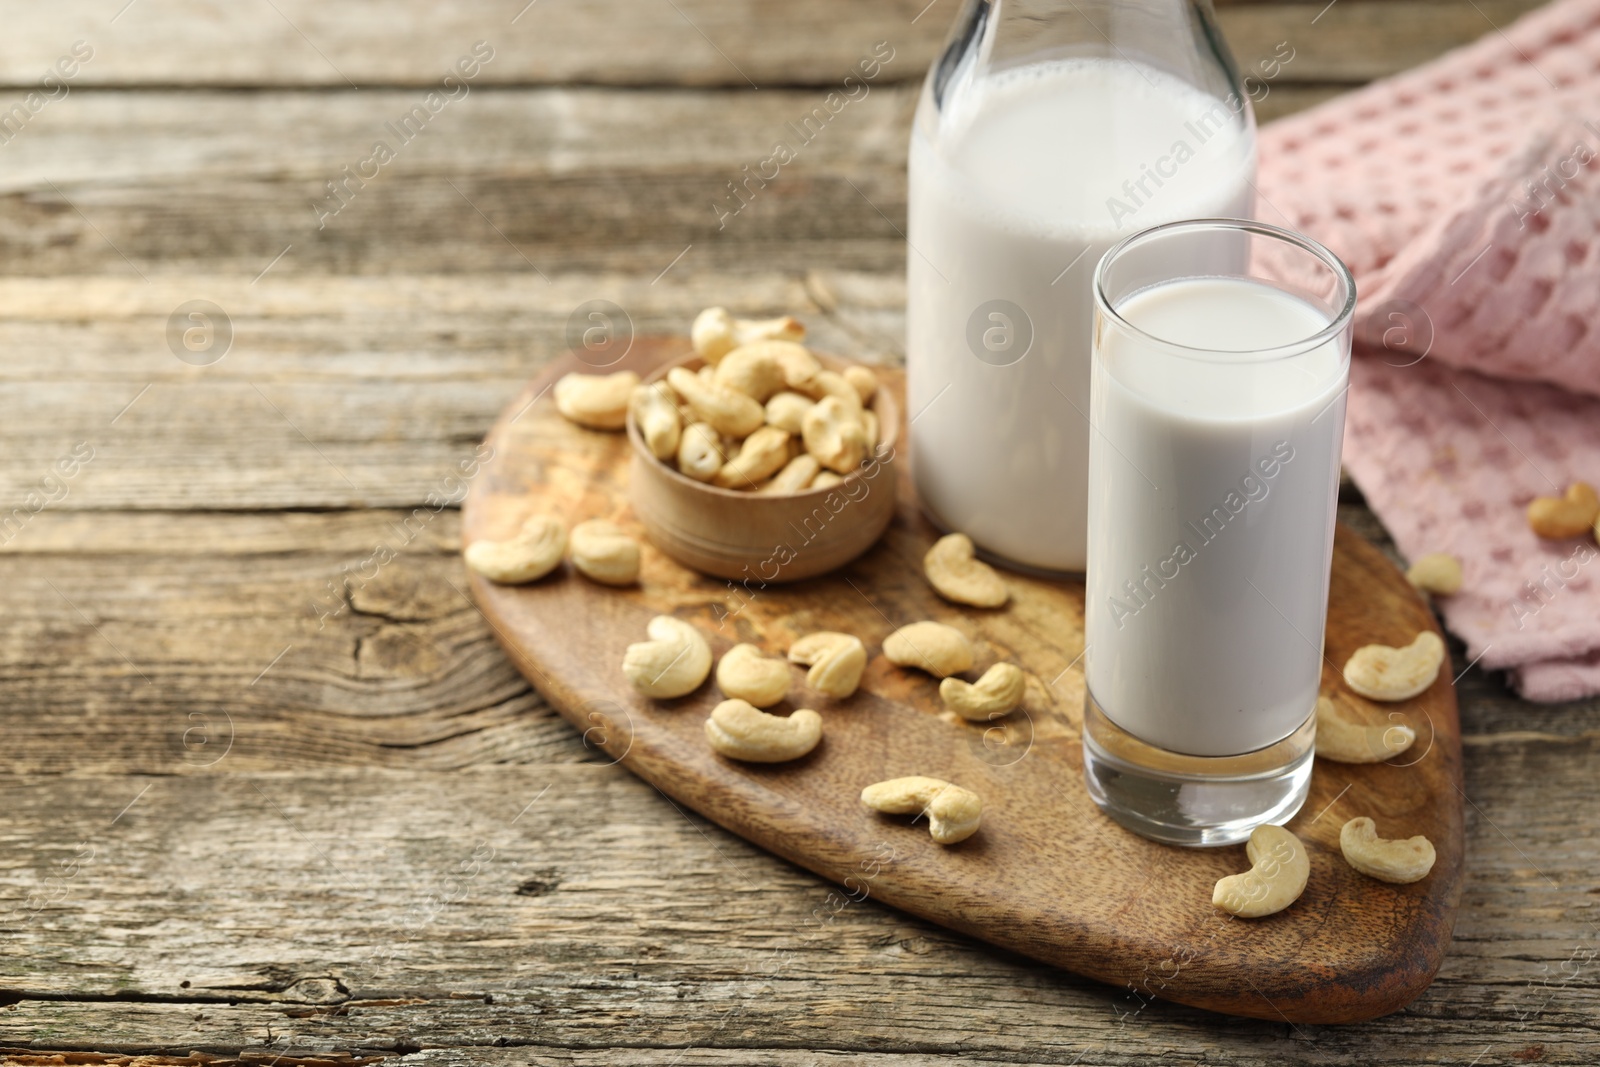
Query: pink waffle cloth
x=1465, y=196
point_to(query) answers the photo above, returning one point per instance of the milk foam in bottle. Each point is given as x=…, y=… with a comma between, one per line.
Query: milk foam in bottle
x=1046, y=132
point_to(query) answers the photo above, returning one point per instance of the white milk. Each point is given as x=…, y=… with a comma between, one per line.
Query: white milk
x=1030, y=173
x=1212, y=490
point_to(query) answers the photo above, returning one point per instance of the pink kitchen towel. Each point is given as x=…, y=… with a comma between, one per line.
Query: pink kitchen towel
x=1465, y=196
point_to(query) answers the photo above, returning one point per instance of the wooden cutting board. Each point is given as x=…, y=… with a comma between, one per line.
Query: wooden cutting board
x=1047, y=875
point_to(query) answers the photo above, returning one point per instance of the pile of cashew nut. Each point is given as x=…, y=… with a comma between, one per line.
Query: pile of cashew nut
x=761, y=414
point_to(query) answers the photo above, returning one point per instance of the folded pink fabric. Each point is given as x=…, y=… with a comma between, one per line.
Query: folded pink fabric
x=1465, y=195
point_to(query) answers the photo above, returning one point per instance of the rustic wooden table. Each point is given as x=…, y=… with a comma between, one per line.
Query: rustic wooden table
x=272, y=794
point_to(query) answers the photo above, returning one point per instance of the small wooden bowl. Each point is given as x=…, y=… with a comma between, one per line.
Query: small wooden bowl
x=769, y=539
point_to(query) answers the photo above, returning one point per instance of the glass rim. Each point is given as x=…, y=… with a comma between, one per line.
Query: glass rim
x=1311, y=245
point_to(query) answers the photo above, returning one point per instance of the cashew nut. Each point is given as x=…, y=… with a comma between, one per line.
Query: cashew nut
x=1437, y=572
x=828, y=383
x=953, y=812
x=834, y=434
x=598, y=401
x=655, y=412
x=716, y=333
x=742, y=732
x=533, y=553
x=1277, y=876
x=604, y=552
x=957, y=575
x=700, y=454
x=836, y=660
x=727, y=410
x=673, y=662
x=745, y=673
x=869, y=426
x=753, y=370
x=998, y=692
x=787, y=408
x=930, y=646
x=794, y=476
x=799, y=365
x=1344, y=740
x=761, y=456
x=1568, y=516
x=1398, y=861
x=1379, y=672
x=825, y=480
x=862, y=380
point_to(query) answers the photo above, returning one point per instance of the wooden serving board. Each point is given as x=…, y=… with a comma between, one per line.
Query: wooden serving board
x=1047, y=875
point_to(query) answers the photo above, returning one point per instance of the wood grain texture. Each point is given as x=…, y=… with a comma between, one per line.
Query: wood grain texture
x=636, y=42
x=1047, y=875
x=198, y=539
x=329, y=911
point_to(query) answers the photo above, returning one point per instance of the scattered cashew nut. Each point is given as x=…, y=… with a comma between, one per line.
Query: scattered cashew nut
x=655, y=412
x=745, y=673
x=958, y=575
x=930, y=646
x=743, y=732
x=761, y=455
x=530, y=555
x=1437, y=572
x=834, y=434
x=1379, y=672
x=700, y=453
x=953, y=812
x=672, y=663
x=1568, y=516
x=836, y=661
x=598, y=401
x=1398, y=861
x=1277, y=876
x=604, y=552
x=997, y=693
x=1344, y=740
x=727, y=410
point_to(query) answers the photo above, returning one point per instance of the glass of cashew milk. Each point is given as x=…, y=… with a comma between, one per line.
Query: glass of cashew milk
x=1220, y=362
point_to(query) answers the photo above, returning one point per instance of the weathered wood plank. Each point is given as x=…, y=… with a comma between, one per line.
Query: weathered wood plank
x=147, y=183
x=154, y=633
x=386, y=911
x=691, y=42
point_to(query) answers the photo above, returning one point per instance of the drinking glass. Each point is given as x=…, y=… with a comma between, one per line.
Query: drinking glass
x=1221, y=359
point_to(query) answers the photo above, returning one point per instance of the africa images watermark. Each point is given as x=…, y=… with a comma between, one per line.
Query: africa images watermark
x=1536, y=593
x=53, y=489
x=1542, y=189
x=52, y=87
x=1140, y=191
x=852, y=490
x=1253, y=488
x=855, y=87
x=407, y=128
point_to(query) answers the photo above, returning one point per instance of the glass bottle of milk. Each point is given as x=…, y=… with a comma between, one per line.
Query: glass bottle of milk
x=1047, y=131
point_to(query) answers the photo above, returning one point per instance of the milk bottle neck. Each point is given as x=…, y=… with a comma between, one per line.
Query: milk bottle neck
x=1178, y=37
